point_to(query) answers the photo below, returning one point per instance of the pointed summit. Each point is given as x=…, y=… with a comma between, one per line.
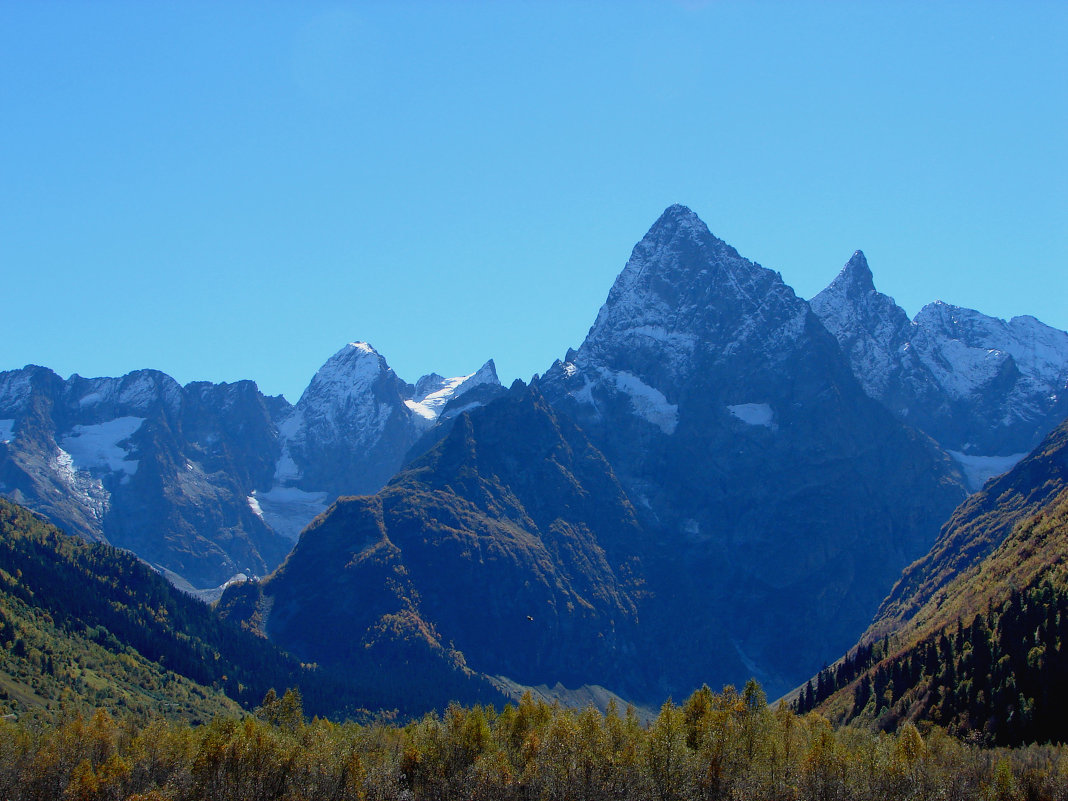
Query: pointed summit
x=349, y=373
x=684, y=301
x=487, y=373
x=677, y=215
x=682, y=286
x=679, y=225
x=855, y=279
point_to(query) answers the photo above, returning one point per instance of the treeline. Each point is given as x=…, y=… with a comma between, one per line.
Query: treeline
x=999, y=677
x=728, y=745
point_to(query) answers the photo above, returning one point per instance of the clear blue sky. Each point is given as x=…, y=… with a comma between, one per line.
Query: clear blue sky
x=234, y=190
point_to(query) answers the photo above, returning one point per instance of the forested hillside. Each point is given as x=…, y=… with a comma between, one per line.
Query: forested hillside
x=89, y=626
x=985, y=651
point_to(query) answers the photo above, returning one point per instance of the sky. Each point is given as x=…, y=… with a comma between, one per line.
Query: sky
x=235, y=190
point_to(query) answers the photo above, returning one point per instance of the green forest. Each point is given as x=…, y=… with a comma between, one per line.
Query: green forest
x=86, y=626
x=998, y=677
x=726, y=745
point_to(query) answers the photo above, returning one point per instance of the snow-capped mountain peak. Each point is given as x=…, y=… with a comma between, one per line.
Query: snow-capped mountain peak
x=351, y=431
x=870, y=326
x=348, y=374
x=682, y=285
x=433, y=393
x=967, y=349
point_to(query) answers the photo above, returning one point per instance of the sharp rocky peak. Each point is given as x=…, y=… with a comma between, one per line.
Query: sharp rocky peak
x=855, y=279
x=682, y=285
x=679, y=231
x=677, y=219
x=349, y=374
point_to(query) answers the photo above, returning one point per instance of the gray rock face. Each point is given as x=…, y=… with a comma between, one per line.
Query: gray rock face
x=985, y=389
x=145, y=464
x=790, y=499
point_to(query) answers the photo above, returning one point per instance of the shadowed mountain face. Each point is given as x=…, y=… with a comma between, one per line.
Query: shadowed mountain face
x=731, y=416
x=987, y=390
x=701, y=492
x=510, y=541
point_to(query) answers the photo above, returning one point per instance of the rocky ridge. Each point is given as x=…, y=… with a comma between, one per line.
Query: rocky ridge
x=987, y=390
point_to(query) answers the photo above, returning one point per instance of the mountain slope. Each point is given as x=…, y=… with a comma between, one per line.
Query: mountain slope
x=734, y=421
x=972, y=534
x=507, y=549
x=987, y=390
x=89, y=624
x=980, y=647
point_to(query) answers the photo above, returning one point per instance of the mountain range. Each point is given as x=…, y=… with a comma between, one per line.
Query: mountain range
x=985, y=389
x=721, y=480
x=211, y=481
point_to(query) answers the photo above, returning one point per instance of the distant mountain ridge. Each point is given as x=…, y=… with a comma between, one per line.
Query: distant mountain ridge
x=987, y=390
x=211, y=481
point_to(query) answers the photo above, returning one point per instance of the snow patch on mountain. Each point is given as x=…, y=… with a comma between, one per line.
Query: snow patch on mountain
x=433, y=392
x=86, y=490
x=980, y=469
x=98, y=447
x=63, y=466
x=648, y=402
x=254, y=505
x=7, y=430
x=288, y=510
x=754, y=414
x=286, y=469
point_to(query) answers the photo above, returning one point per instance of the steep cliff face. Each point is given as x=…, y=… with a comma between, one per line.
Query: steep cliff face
x=987, y=390
x=734, y=420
